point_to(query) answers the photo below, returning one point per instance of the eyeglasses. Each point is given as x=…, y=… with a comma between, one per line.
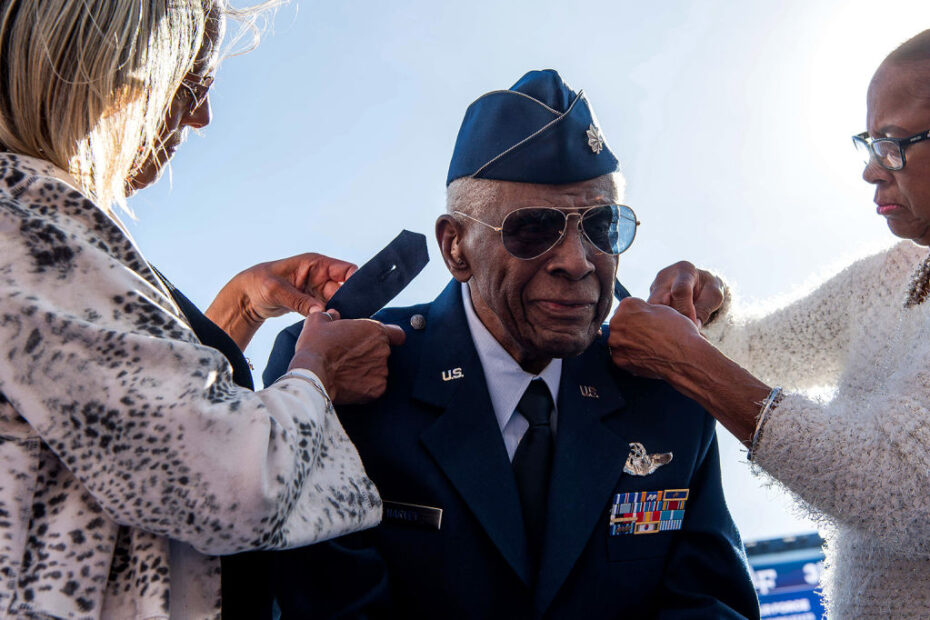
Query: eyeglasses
x=530, y=232
x=195, y=89
x=888, y=152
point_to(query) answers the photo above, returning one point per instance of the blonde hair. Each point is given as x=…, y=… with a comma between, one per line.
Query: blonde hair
x=86, y=84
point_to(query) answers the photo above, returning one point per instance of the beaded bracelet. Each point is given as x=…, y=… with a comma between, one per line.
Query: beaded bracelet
x=770, y=402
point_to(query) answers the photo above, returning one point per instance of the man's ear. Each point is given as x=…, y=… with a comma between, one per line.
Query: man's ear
x=450, y=234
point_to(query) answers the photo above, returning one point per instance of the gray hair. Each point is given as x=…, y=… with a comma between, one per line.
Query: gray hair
x=471, y=196
x=475, y=196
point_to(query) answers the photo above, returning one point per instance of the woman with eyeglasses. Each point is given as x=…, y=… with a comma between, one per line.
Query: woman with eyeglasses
x=130, y=456
x=860, y=462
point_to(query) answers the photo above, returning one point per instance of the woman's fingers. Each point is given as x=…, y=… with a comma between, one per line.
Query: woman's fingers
x=350, y=356
x=682, y=294
x=395, y=334
x=695, y=293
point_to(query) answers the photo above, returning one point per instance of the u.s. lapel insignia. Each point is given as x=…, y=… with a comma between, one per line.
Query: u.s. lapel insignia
x=641, y=463
x=588, y=391
x=454, y=373
x=595, y=139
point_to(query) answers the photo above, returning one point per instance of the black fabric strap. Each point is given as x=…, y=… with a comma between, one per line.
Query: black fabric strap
x=380, y=279
x=620, y=292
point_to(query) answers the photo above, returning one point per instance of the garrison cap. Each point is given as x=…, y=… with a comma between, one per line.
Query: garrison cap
x=539, y=131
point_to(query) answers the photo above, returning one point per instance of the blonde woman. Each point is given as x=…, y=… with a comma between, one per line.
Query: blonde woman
x=129, y=458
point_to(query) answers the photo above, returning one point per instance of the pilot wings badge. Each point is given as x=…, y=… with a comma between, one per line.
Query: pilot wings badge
x=640, y=463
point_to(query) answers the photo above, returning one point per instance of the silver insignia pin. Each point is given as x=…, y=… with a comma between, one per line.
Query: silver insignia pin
x=418, y=321
x=641, y=463
x=455, y=373
x=595, y=139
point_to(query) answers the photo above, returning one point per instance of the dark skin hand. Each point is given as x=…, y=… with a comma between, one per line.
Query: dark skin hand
x=659, y=342
x=694, y=292
x=349, y=356
x=301, y=283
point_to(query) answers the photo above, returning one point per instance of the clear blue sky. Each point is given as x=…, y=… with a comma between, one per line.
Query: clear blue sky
x=732, y=120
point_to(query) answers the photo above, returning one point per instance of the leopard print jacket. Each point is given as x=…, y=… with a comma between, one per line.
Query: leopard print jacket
x=128, y=457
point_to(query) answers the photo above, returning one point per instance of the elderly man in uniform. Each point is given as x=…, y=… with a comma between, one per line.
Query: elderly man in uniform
x=523, y=475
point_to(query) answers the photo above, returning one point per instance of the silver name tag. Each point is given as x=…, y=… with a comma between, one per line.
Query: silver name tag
x=414, y=514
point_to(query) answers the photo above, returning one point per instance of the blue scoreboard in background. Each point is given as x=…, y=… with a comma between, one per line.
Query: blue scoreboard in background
x=786, y=573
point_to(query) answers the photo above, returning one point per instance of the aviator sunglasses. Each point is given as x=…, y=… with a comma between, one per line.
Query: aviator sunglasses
x=530, y=232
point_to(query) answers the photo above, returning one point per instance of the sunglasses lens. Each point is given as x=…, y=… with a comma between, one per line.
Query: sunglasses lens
x=600, y=225
x=528, y=233
x=610, y=228
x=626, y=228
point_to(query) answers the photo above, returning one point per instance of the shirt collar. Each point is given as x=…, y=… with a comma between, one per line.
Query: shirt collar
x=505, y=379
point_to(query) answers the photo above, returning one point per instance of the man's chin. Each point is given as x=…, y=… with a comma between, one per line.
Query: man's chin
x=566, y=345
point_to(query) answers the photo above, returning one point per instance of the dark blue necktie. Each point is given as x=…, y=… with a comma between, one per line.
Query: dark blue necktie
x=532, y=463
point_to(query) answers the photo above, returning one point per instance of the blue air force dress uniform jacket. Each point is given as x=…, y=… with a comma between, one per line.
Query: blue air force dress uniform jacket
x=617, y=545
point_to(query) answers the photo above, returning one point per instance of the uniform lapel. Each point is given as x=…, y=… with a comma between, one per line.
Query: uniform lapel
x=589, y=459
x=465, y=440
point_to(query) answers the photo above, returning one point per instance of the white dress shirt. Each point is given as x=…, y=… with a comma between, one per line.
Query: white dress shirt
x=505, y=379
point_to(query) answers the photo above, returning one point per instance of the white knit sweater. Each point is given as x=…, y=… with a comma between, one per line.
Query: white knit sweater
x=860, y=462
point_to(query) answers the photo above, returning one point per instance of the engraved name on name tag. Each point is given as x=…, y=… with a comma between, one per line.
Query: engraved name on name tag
x=414, y=514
